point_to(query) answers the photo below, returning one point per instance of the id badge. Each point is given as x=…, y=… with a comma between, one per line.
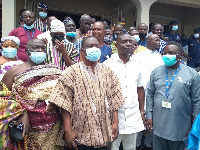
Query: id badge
x=166, y=104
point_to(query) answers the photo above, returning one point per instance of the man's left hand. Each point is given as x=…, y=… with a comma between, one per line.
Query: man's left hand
x=115, y=131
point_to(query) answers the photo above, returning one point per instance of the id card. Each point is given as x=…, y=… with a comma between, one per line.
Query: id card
x=166, y=104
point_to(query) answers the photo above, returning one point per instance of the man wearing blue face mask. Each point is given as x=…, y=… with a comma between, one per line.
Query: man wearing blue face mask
x=41, y=22
x=89, y=94
x=25, y=33
x=70, y=29
x=59, y=51
x=172, y=35
x=173, y=100
x=38, y=80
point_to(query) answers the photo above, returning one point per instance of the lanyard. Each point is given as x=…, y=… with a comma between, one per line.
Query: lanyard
x=172, y=80
x=29, y=35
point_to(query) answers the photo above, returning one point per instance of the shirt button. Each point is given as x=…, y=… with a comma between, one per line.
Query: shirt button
x=126, y=86
x=125, y=76
x=125, y=119
x=125, y=97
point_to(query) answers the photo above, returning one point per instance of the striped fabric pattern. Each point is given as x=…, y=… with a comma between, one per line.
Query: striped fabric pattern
x=56, y=58
x=10, y=109
x=40, y=26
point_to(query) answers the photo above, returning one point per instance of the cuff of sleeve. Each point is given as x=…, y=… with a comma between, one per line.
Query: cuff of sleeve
x=149, y=115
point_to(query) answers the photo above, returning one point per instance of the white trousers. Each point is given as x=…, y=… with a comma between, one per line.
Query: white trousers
x=128, y=142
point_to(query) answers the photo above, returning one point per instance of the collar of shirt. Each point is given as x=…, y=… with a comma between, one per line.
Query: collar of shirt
x=116, y=58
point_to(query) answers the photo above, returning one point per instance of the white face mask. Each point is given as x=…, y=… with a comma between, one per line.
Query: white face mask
x=196, y=35
x=136, y=37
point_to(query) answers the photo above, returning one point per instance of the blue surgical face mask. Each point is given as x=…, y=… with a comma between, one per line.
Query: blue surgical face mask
x=9, y=52
x=175, y=28
x=28, y=27
x=169, y=60
x=93, y=54
x=136, y=37
x=43, y=14
x=71, y=34
x=38, y=57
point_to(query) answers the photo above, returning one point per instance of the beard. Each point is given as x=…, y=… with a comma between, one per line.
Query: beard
x=141, y=35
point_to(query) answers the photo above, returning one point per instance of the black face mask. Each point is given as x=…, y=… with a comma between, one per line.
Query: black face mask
x=57, y=37
x=141, y=35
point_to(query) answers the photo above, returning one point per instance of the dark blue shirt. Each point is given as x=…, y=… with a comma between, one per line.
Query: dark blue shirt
x=106, y=51
x=194, y=49
x=173, y=37
x=184, y=42
x=143, y=43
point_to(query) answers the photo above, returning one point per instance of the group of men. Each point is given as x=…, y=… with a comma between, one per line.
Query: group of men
x=113, y=84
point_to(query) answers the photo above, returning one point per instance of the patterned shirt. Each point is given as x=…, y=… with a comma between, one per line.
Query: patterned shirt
x=90, y=98
x=162, y=46
x=40, y=25
x=55, y=57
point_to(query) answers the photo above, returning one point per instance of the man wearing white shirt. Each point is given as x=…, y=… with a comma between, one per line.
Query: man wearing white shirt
x=149, y=59
x=129, y=72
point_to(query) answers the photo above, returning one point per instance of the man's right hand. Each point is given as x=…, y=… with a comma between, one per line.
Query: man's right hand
x=149, y=125
x=70, y=137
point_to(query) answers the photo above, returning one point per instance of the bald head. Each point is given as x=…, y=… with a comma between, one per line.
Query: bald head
x=34, y=42
x=142, y=25
x=85, y=16
x=99, y=24
x=153, y=42
x=36, y=45
x=151, y=37
x=98, y=31
x=85, y=23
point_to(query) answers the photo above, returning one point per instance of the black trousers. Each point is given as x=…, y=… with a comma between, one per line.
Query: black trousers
x=83, y=147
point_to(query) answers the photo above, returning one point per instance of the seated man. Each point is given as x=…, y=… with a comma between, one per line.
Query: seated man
x=32, y=84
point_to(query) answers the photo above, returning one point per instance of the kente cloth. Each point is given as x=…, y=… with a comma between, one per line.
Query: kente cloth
x=113, y=47
x=44, y=141
x=33, y=88
x=9, y=109
x=91, y=98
